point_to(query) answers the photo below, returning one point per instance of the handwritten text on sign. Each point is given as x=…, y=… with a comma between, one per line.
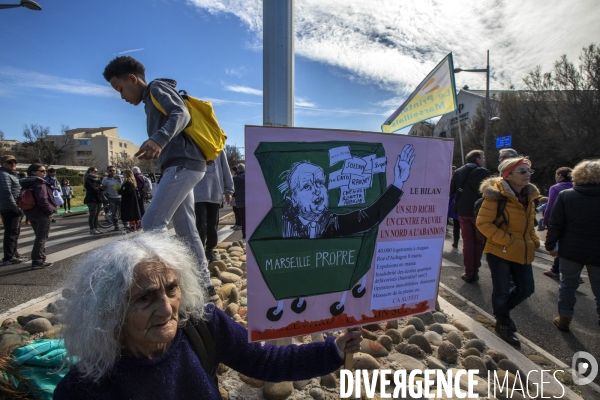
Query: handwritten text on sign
x=405, y=272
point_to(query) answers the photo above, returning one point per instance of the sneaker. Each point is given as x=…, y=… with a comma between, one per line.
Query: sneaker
x=469, y=278
x=12, y=261
x=94, y=232
x=43, y=264
x=552, y=275
x=98, y=231
x=237, y=228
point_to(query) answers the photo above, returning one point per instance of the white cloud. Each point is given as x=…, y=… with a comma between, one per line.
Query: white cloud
x=302, y=102
x=22, y=78
x=244, y=89
x=239, y=72
x=396, y=43
x=236, y=102
x=130, y=51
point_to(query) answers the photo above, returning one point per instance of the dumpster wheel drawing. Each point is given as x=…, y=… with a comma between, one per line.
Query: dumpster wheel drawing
x=306, y=246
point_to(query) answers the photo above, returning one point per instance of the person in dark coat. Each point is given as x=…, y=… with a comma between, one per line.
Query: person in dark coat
x=130, y=209
x=573, y=236
x=239, y=184
x=41, y=214
x=139, y=181
x=465, y=186
x=11, y=213
x=93, y=198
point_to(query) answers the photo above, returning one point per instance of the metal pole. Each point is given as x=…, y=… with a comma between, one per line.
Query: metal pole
x=278, y=62
x=487, y=104
x=462, y=150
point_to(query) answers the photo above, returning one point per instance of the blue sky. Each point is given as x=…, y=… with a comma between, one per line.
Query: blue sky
x=356, y=61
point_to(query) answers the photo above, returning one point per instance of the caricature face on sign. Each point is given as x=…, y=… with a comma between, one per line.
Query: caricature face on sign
x=315, y=245
x=309, y=193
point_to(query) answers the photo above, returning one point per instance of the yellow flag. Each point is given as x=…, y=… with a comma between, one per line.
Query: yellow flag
x=436, y=95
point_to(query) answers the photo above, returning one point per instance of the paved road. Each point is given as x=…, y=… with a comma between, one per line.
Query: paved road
x=534, y=316
x=69, y=239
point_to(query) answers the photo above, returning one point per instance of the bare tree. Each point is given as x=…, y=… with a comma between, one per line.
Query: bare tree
x=38, y=147
x=234, y=155
x=123, y=161
x=555, y=121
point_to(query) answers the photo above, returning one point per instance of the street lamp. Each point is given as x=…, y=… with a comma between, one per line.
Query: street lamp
x=32, y=5
x=487, y=97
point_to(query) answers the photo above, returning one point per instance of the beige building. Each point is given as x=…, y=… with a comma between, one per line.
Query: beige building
x=9, y=146
x=100, y=147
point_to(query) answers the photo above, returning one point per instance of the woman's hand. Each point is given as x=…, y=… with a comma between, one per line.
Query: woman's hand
x=349, y=341
x=554, y=253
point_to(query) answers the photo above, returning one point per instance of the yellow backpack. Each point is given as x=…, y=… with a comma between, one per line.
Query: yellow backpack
x=203, y=128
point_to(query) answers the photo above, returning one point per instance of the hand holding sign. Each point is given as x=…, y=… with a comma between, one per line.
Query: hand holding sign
x=402, y=169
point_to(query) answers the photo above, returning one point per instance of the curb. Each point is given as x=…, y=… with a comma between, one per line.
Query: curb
x=496, y=343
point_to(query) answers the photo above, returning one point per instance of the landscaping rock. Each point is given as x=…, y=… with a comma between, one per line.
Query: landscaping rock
x=470, y=335
x=365, y=361
x=255, y=383
x=422, y=342
x=409, y=363
x=410, y=350
x=232, y=309
x=8, y=321
x=235, y=270
x=38, y=325
x=224, y=291
x=373, y=348
x=496, y=355
x=434, y=363
x=317, y=393
x=433, y=337
x=473, y=362
x=427, y=318
x=228, y=277
x=475, y=344
x=395, y=335
x=329, y=381
x=393, y=324
x=300, y=385
x=449, y=328
x=277, y=391
x=372, y=327
x=24, y=319
x=408, y=331
x=490, y=365
x=454, y=338
x=436, y=328
x=417, y=323
x=439, y=317
x=386, y=342
x=220, y=264
x=461, y=327
x=448, y=352
x=511, y=367
x=368, y=334
x=471, y=352
x=53, y=308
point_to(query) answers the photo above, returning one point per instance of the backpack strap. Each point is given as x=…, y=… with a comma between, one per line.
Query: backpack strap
x=203, y=345
x=500, y=212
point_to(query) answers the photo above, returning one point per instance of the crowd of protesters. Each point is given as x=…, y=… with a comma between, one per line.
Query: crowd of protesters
x=503, y=227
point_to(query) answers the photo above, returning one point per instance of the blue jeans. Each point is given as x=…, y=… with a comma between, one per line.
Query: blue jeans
x=569, y=282
x=505, y=298
x=174, y=200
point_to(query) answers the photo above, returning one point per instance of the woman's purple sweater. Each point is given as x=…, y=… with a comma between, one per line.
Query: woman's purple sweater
x=552, y=195
x=178, y=374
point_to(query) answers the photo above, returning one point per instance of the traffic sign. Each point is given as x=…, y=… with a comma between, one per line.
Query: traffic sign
x=504, y=141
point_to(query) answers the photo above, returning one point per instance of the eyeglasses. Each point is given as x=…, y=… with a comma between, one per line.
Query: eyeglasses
x=525, y=171
x=112, y=170
x=10, y=162
x=40, y=170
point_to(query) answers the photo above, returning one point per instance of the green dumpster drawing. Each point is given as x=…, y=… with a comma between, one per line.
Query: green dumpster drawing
x=319, y=236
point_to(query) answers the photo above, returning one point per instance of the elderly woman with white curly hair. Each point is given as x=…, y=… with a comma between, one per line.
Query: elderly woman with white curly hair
x=125, y=320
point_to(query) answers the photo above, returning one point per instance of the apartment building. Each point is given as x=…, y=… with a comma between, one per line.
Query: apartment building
x=95, y=146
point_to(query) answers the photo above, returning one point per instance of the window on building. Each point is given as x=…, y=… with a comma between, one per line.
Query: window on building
x=125, y=145
x=443, y=134
x=84, y=142
x=120, y=144
x=84, y=153
x=110, y=142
